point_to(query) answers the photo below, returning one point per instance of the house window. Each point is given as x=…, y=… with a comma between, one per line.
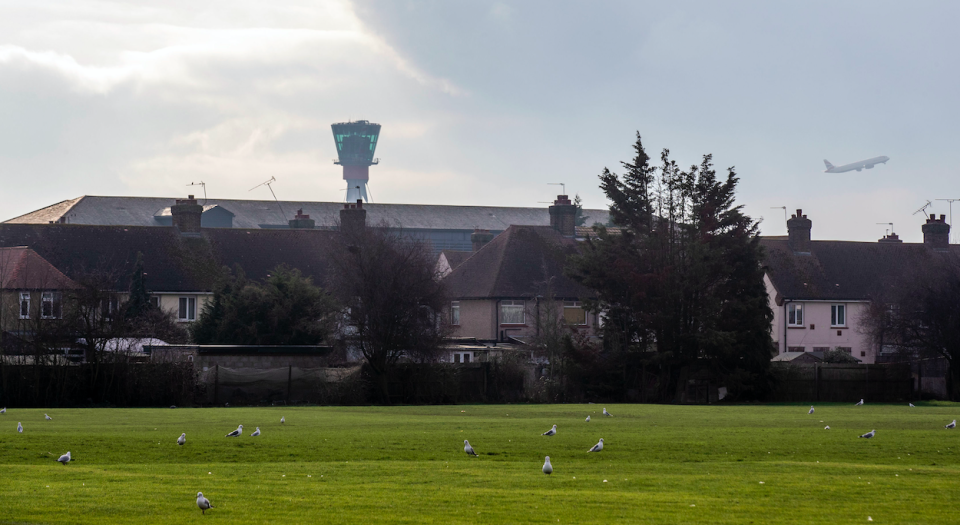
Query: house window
x=573, y=313
x=462, y=357
x=188, y=309
x=512, y=312
x=50, y=307
x=109, y=306
x=795, y=314
x=847, y=349
x=155, y=301
x=838, y=315
x=455, y=313
x=796, y=349
x=24, y=305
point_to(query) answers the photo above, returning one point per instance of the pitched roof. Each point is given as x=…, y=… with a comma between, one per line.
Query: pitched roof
x=845, y=270
x=154, y=211
x=172, y=262
x=523, y=261
x=22, y=269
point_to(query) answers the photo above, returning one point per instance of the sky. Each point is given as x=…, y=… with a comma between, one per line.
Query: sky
x=485, y=102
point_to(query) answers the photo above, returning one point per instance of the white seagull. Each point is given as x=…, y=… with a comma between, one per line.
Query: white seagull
x=255, y=433
x=547, y=467
x=48, y=417
x=203, y=503
x=3, y=410
x=64, y=458
x=282, y=421
x=912, y=405
x=19, y=428
x=235, y=433
x=598, y=447
x=468, y=449
x=607, y=413
x=551, y=432
x=870, y=434
x=826, y=427
x=860, y=403
x=588, y=419
x=182, y=439
x=952, y=424
x=811, y=410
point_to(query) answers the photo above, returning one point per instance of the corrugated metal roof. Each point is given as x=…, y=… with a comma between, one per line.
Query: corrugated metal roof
x=141, y=211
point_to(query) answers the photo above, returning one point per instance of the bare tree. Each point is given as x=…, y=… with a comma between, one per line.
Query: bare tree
x=920, y=317
x=392, y=296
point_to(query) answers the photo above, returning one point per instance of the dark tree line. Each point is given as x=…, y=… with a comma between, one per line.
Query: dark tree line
x=680, y=286
x=919, y=318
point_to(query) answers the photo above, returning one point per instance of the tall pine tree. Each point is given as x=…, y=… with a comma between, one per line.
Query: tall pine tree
x=681, y=285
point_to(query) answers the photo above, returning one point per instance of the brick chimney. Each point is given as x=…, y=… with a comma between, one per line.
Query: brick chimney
x=798, y=232
x=563, y=216
x=186, y=215
x=353, y=218
x=302, y=221
x=892, y=238
x=936, y=232
x=479, y=238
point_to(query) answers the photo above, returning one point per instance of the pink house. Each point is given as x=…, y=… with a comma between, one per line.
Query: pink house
x=821, y=291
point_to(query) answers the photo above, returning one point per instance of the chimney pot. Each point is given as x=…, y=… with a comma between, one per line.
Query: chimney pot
x=798, y=232
x=563, y=216
x=933, y=217
x=186, y=214
x=943, y=218
x=479, y=238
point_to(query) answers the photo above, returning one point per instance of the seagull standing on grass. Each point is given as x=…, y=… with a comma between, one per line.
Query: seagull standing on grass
x=255, y=433
x=551, y=432
x=912, y=405
x=860, y=403
x=64, y=459
x=598, y=447
x=547, y=467
x=811, y=410
x=182, y=439
x=468, y=449
x=952, y=424
x=19, y=427
x=282, y=421
x=203, y=503
x=3, y=410
x=607, y=413
x=588, y=419
x=235, y=433
x=870, y=434
x=47, y=417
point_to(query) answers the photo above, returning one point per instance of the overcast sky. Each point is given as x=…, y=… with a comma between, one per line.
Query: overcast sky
x=484, y=103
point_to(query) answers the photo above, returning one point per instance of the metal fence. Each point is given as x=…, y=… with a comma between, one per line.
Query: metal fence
x=844, y=383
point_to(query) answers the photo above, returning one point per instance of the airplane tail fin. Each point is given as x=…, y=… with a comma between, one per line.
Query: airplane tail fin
x=827, y=164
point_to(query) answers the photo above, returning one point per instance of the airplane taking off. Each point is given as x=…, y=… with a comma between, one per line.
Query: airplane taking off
x=869, y=163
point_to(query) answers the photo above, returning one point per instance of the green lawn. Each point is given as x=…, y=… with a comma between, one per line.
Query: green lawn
x=660, y=464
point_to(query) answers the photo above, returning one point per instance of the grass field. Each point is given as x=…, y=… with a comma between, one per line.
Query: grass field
x=660, y=464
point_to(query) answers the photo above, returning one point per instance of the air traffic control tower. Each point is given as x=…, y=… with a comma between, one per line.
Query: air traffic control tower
x=356, y=143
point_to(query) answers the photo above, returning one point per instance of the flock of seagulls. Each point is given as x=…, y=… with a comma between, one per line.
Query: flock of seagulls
x=202, y=502
x=547, y=466
x=868, y=435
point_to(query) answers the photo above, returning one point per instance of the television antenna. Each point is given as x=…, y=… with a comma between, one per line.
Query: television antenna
x=924, y=208
x=202, y=185
x=267, y=184
x=563, y=187
x=951, y=201
x=890, y=224
x=784, y=208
